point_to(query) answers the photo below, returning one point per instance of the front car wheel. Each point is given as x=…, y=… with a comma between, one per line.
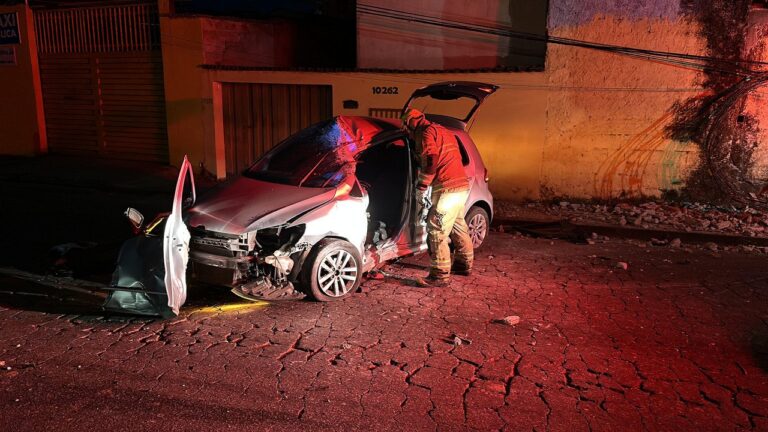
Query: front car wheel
x=333, y=270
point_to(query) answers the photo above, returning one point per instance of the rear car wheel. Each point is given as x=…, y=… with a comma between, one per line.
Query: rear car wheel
x=333, y=270
x=478, y=223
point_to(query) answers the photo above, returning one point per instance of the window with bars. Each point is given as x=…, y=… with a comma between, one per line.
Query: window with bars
x=127, y=28
x=390, y=113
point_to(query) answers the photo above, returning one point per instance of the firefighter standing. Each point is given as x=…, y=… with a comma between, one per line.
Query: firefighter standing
x=441, y=168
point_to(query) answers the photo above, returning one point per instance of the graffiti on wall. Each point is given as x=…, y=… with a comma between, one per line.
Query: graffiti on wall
x=630, y=164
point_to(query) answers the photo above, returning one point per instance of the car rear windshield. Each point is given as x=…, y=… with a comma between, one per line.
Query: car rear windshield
x=318, y=156
x=458, y=108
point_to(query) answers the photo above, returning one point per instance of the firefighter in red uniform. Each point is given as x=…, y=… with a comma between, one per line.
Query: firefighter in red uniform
x=441, y=168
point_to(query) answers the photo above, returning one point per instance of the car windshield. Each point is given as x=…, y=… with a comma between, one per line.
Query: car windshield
x=318, y=156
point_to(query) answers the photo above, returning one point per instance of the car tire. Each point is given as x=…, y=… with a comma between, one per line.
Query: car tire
x=478, y=223
x=333, y=270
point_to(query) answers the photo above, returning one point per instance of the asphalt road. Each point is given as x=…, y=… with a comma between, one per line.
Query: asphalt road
x=678, y=341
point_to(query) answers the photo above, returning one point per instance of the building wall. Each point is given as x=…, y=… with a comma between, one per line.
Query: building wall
x=509, y=129
x=187, y=91
x=191, y=41
x=228, y=41
x=592, y=125
x=22, y=124
x=388, y=43
x=607, y=114
x=756, y=106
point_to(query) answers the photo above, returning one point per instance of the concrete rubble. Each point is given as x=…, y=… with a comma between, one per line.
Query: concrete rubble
x=682, y=217
x=688, y=217
x=508, y=320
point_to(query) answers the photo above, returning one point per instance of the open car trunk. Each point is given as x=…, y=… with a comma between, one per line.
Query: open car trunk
x=454, y=102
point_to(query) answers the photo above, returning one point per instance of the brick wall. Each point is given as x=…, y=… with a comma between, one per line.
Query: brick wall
x=248, y=43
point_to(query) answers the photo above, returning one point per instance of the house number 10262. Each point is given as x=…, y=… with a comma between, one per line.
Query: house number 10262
x=384, y=90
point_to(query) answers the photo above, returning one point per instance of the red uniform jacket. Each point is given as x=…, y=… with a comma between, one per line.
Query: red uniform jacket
x=440, y=159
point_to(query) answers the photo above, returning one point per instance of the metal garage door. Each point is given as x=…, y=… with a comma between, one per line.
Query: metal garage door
x=258, y=116
x=102, y=79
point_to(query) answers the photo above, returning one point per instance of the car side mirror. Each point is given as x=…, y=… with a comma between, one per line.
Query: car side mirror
x=135, y=218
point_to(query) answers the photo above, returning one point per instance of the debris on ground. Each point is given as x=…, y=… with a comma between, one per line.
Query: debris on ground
x=665, y=216
x=596, y=238
x=508, y=320
x=460, y=340
x=375, y=275
x=677, y=216
x=622, y=265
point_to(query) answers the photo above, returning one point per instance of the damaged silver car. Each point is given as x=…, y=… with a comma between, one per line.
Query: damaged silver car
x=311, y=216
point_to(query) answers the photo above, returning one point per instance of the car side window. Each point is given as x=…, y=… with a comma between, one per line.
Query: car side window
x=463, y=151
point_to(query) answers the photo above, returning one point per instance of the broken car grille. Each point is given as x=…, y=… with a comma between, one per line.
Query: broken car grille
x=218, y=244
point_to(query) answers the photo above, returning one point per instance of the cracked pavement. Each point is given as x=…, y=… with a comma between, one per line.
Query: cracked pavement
x=679, y=341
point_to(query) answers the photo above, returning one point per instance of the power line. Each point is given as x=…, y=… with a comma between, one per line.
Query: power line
x=707, y=63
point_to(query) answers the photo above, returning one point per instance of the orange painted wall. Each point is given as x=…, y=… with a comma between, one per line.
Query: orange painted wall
x=187, y=91
x=22, y=124
x=191, y=41
x=607, y=113
x=387, y=43
x=591, y=125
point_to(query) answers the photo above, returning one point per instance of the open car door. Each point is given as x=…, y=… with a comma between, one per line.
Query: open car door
x=456, y=99
x=150, y=277
x=176, y=241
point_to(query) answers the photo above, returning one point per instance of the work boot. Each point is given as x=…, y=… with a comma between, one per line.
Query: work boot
x=432, y=281
x=461, y=269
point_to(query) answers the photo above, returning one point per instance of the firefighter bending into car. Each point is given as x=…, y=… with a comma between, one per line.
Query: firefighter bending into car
x=441, y=168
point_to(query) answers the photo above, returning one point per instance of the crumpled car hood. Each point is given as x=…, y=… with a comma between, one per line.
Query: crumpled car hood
x=248, y=204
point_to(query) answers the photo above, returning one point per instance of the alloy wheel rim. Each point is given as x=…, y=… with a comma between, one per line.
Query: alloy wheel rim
x=477, y=229
x=337, y=273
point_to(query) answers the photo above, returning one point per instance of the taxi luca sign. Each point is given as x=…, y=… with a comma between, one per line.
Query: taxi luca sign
x=9, y=29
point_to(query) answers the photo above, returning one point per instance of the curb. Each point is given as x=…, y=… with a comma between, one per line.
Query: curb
x=550, y=228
